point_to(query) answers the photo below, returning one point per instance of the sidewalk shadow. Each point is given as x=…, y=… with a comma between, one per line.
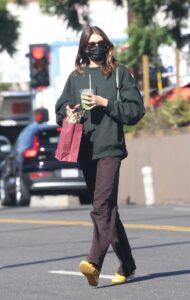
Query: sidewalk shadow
x=149, y=277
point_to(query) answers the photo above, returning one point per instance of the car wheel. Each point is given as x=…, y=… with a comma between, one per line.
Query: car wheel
x=6, y=199
x=84, y=198
x=22, y=195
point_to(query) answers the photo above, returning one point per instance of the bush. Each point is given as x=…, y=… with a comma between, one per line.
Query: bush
x=169, y=115
x=177, y=113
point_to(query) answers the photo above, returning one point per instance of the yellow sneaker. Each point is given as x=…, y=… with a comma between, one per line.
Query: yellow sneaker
x=90, y=271
x=121, y=278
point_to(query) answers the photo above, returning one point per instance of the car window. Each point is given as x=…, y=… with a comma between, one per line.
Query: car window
x=25, y=139
x=48, y=137
x=5, y=147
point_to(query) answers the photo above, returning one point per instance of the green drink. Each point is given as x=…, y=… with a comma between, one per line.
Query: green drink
x=84, y=102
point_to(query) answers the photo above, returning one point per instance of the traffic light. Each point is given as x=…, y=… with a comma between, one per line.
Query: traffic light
x=41, y=115
x=39, y=65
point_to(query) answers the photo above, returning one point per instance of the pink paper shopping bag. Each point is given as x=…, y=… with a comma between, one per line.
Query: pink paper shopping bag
x=69, y=141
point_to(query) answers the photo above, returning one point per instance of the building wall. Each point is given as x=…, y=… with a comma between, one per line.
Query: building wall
x=168, y=155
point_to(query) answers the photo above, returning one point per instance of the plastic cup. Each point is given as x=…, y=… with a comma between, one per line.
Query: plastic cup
x=84, y=103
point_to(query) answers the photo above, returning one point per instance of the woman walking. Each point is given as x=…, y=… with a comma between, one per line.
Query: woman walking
x=107, y=109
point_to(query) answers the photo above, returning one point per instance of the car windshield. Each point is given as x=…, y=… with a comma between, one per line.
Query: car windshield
x=4, y=148
x=48, y=137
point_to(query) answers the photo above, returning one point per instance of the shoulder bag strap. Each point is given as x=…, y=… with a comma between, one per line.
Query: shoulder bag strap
x=117, y=82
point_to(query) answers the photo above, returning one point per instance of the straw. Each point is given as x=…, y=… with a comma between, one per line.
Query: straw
x=90, y=83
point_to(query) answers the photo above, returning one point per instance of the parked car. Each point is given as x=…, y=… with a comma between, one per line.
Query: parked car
x=5, y=148
x=31, y=168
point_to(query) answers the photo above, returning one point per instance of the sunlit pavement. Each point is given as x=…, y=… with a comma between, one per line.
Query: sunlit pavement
x=54, y=201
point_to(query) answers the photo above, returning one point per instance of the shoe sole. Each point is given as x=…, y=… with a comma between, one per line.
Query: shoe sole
x=87, y=270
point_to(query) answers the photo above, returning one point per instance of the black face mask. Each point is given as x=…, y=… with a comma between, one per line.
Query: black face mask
x=97, y=53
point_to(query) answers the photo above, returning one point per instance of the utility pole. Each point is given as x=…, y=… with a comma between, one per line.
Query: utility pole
x=177, y=57
x=146, y=79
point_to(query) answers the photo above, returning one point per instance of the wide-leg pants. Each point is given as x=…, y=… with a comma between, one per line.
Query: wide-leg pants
x=102, y=178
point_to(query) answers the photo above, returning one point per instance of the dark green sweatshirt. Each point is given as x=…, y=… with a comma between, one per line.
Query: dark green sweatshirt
x=103, y=134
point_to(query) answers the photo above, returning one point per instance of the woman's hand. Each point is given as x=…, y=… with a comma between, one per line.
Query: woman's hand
x=71, y=109
x=74, y=114
x=95, y=100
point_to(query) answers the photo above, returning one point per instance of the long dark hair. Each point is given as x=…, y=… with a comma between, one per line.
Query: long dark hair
x=82, y=59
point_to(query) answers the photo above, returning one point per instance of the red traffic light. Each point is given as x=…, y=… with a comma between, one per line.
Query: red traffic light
x=38, y=53
x=41, y=115
x=39, y=65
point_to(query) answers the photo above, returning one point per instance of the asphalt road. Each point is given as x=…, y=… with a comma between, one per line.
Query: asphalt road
x=41, y=248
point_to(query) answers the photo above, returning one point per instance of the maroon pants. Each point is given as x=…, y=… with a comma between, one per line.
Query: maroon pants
x=102, y=178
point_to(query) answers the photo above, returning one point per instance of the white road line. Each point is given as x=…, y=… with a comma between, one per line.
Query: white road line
x=72, y=273
x=182, y=209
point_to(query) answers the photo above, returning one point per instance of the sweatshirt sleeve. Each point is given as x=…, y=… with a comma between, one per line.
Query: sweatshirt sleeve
x=129, y=109
x=63, y=101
